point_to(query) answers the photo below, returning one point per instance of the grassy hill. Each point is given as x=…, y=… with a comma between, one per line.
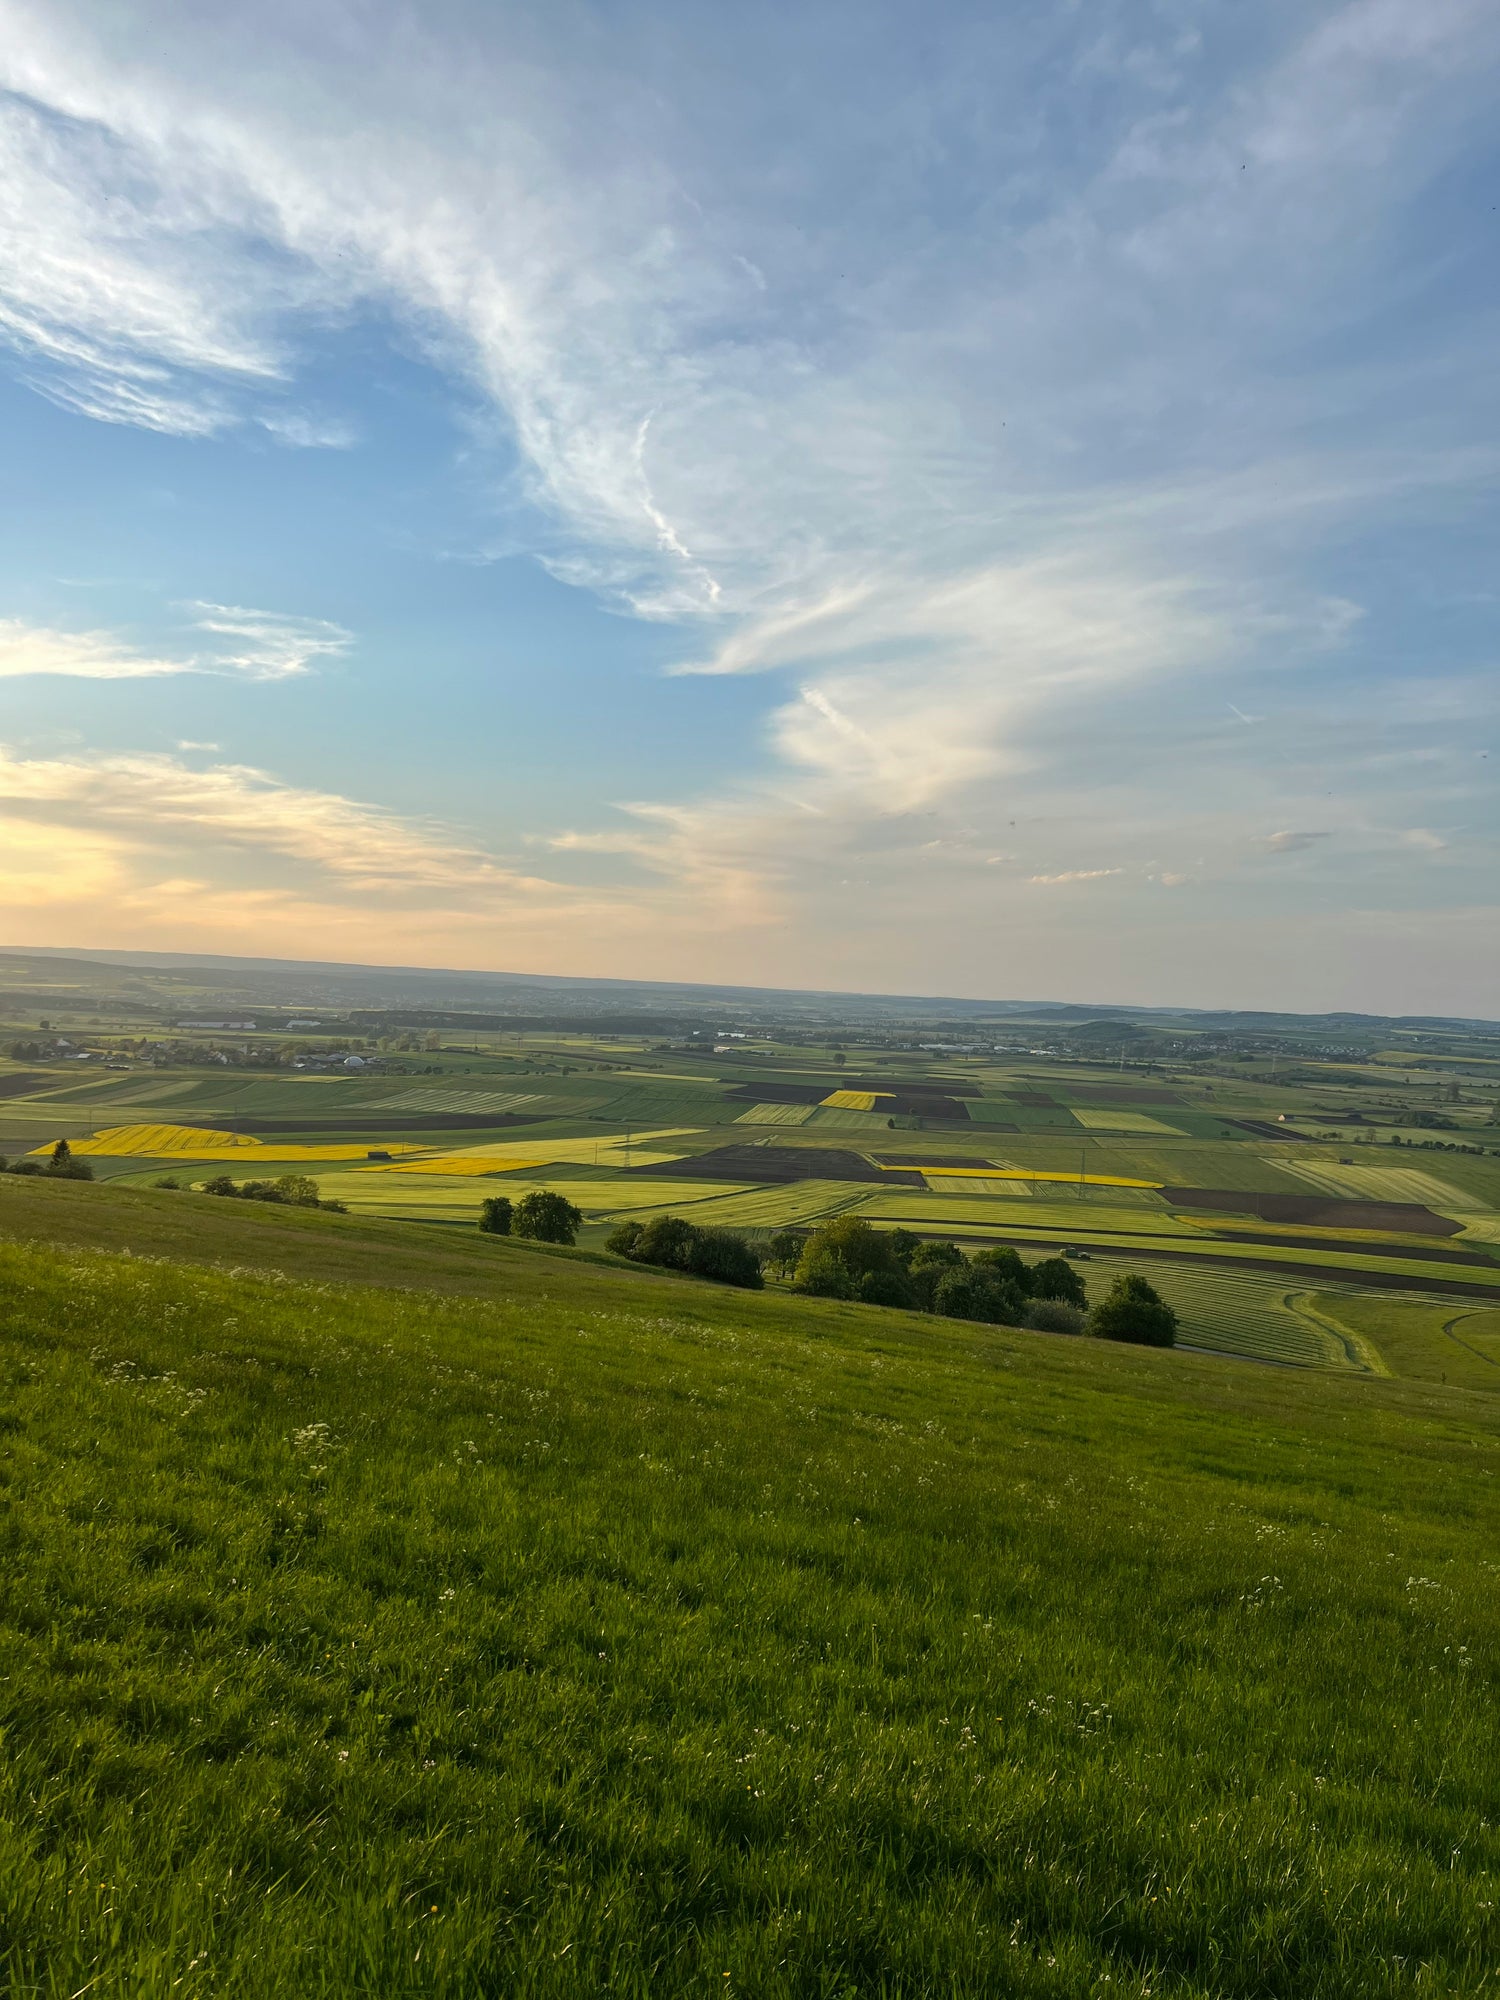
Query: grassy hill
x=389, y=1611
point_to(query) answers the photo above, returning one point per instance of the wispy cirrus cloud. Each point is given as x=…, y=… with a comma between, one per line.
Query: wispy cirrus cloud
x=261, y=645
x=992, y=452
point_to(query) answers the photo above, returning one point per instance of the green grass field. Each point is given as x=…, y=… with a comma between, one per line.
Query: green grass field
x=603, y=1632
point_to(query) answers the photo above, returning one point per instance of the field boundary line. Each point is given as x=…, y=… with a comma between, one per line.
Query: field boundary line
x=1360, y=1353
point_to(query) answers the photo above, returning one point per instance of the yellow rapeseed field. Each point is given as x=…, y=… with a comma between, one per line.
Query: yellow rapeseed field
x=505, y=1156
x=201, y=1142
x=853, y=1100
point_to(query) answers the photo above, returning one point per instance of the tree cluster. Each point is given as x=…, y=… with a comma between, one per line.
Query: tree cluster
x=291, y=1190
x=540, y=1217
x=676, y=1245
x=847, y=1259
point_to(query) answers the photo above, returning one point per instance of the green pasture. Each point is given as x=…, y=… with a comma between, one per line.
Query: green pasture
x=514, y=1624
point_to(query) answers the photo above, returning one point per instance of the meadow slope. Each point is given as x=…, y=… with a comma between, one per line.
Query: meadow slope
x=598, y=1632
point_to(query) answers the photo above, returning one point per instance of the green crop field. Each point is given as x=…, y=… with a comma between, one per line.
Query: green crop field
x=1424, y=1340
x=776, y=1114
x=1241, y=1313
x=1118, y=1120
x=802, y=1204
x=514, y=1623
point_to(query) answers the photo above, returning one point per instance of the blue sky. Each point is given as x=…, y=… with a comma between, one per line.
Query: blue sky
x=980, y=500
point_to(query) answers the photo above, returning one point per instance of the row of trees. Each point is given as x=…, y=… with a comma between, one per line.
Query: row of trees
x=64, y=1165
x=847, y=1259
x=290, y=1190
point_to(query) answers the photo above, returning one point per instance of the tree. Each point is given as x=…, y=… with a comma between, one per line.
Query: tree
x=784, y=1249
x=930, y=1262
x=63, y=1165
x=296, y=1190
x=623, y=1240
x=886, y=1288
x=964, y=1292
x=840, y=1254
x=496, y=1214
x=545, y=1217
x=1055, y=1278
x=1134, y=1310
x=942, y=1256
x=905, y=1243
x=1006, y=1263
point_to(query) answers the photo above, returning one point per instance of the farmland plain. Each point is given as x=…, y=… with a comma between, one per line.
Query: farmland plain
x=1230, y=1182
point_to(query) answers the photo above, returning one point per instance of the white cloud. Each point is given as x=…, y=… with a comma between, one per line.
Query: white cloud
x=1291, y=841
x=1076, y=875
x=95, y=656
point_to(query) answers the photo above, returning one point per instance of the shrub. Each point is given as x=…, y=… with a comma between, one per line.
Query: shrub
x=544, y=1217
x=496, y=1215
x=1053, y=1316
x=1134, y=1310
x=724, y=1255
x=64, y=1167
x=623, y=1239
x=666, y=1240
x=28, y=1167
x=167, y=1181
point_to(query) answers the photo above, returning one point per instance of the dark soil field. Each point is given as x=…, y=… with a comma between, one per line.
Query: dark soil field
x=1318, y=1211
x=24, y=1084
x=926, y=1160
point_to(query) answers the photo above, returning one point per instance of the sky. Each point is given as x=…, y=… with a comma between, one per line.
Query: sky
x=995, y=500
